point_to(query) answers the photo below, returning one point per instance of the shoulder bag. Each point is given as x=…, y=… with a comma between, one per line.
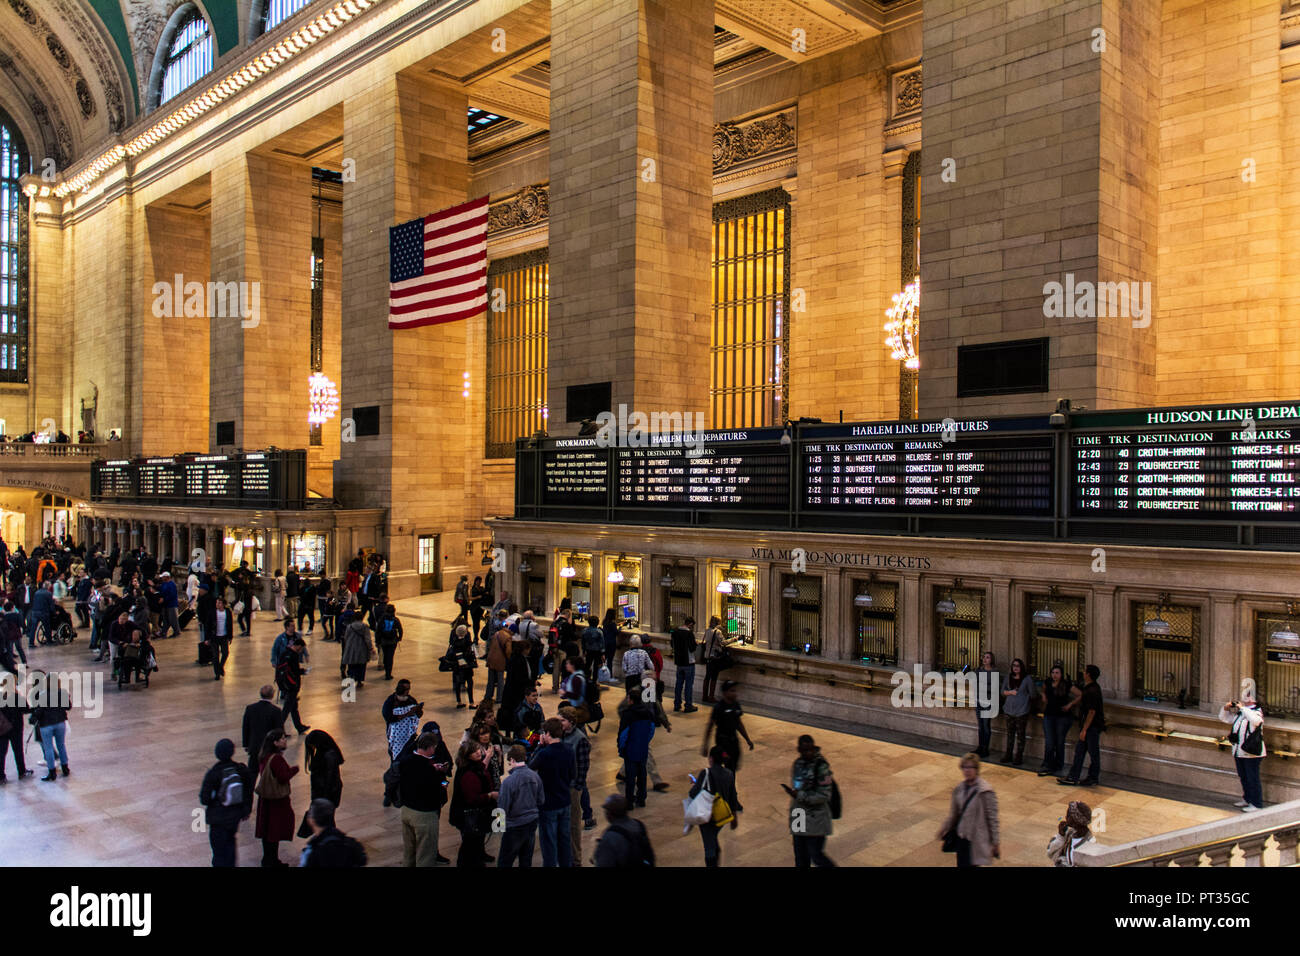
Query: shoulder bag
x=950, y=839
x=269, y=786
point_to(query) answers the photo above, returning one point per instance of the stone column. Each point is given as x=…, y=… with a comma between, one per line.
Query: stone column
x=1226, y=654
x=261, y=238
x=908, y=627
x=407, y=135
x=631, y=202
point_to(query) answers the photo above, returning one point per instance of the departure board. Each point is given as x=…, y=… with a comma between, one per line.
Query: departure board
x=753, y=477
x=1009, y=475
x=272, y=478
x=1187, y=464
x=576, y=474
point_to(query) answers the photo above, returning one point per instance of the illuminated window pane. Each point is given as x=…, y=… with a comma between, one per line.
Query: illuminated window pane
x=14, y=161
x=276, y=12
x=189, y=57
x=516, y=348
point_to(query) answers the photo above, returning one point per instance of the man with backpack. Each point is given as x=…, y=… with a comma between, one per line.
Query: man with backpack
x=388, y=635
x=288, y=677
x=227, y=793
x=625, y=843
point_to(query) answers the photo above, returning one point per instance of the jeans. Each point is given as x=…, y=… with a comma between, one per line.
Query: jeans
x=222, y=840
x=33, y=622
x=1248, y=771
x=172, y=622
x=387, y=654
x=553, y=826
x=709, y=836
x=1016, y=735
x=52, y=738
x=517, y=843
x=245, y=618
x=634, y=779
x=220, y=654
x=496, y=683
x=1054, y=731
x=308, y=611
x=14, y=738
x=327, y=625
x=685, y=677
x=94, y=634
x=290, y=710
x=1092, y=747
x=986, y=734
x=471, y=853
x=463, y=677
x=810, y=850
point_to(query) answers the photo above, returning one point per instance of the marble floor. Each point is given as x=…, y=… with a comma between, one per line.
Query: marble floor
x=132, y=796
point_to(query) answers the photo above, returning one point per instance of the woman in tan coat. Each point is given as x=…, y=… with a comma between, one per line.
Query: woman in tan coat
x=973, y=814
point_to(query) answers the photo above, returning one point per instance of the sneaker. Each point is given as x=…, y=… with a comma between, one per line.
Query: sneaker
x=1044, y=772
x=1240, y=804
x=1067, y=781
x=586, y=825
x=659, y=787
x=1249, y=808
x=1088, y=782
x=689, y=709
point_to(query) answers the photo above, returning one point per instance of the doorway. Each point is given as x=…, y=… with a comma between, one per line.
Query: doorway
x=429, y=562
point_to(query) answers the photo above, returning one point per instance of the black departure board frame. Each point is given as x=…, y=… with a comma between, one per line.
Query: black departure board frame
x=1026, y=469
x=267, y=479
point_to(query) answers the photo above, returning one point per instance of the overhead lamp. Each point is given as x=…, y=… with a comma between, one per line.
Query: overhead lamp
x=524, y=567
x=724, y=586
x=1158, y=626
x=248, y=542
x=1285, y=636
x=614, y=577
x=785, y=433
x=1045, y=615
x=229, y=539
x=667, y=580
x=862, y=600
x=789, y=592
x=567, y=571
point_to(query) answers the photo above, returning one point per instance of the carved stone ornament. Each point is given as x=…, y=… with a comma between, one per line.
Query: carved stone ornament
x=735, y=143
x=907, y=93
x=529, y=206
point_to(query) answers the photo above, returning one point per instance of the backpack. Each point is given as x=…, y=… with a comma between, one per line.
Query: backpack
x=639, y=853
x=553, y=635
x=230, y=791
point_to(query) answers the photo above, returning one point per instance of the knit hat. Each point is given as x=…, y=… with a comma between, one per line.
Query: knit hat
x=225, y=748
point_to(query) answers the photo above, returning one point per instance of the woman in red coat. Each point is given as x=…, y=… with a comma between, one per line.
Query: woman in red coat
x=275, y=819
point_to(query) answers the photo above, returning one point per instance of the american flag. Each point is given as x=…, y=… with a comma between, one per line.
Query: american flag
x=438, y=267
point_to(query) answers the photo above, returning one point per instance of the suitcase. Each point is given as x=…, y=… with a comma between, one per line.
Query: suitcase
x=205, y=653
x=184, y=618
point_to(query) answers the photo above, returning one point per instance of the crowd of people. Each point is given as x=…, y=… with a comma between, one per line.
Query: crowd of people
x=516, y=771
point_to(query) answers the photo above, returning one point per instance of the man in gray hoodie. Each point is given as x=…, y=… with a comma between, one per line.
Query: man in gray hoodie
x=520, y=800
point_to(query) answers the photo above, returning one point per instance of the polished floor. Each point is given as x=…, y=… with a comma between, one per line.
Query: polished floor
x=132, y=796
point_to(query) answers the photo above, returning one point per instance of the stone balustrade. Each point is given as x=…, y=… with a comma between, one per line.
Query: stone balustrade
x=1265, y=838
x=89, y=451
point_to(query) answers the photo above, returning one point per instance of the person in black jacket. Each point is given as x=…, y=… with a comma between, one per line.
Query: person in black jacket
x=323, y=758
x=288, y=675
x=722, y=783
x=422, y=785
x=219, y=638
x=51, y=724
x=260, y=718
x=329, y=846
x=13, y=710
x=625, y=843
x=227, y=793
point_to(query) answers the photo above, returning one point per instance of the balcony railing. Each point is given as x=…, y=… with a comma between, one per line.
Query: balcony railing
x=1263, y=838
x=26, y=449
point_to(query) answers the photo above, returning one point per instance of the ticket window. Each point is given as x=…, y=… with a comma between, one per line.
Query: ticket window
x=735, y=588
x=307, y=551
x=533, y=573
x=1055, y=628
x=876, y=624
x=959, y=628
x=247, y=546
x=625, y=594
x=1277, y=652
x=678, y=584
x=801, y=603
x=1167, y=662
x=575, y=582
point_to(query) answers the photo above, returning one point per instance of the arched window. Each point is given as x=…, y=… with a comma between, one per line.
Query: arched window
x=189, y=56
x=14, y=162
x=271, y=13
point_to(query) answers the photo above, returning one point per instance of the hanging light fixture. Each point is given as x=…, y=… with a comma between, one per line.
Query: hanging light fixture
x=945, y=604
x=863, y=597
x=667, y=580
x=567, y=571
x=322, y=398
x=616, y=576
x=1286, y=636
x=524, y=567
x=1045, y=615
x=724, y=586
x=790, y=592
x=904, y=325
x=1158, y=626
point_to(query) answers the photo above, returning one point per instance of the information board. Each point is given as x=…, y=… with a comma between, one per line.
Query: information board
x=272, y=478
x=576, y=475
x=1229, y=463
x=750, y=477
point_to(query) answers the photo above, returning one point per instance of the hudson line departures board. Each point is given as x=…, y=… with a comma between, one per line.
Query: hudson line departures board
x=1002, y=477
x=276, y=479
x=1238, y=463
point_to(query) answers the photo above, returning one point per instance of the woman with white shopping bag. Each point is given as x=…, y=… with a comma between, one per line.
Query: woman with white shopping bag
x=712, y=805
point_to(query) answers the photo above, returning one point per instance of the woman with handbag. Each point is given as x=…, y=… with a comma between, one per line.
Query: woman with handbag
x=322, y=757
x=472, y=801
x=274, y=808
x=358, y=649
x=971, y=828
x=462, y=660
x=1247, y=739
x=721, y=783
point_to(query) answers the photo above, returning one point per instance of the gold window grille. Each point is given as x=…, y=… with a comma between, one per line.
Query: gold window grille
x=1277, y=666
x=803, y=614
x=877, y=626
x=750, y=342
x=959, y=634
x=516, y=350
x=1167, y=665
x=1061, y=641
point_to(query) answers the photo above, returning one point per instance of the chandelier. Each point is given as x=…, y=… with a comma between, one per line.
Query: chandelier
x=323, y=397
x=904, y=324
